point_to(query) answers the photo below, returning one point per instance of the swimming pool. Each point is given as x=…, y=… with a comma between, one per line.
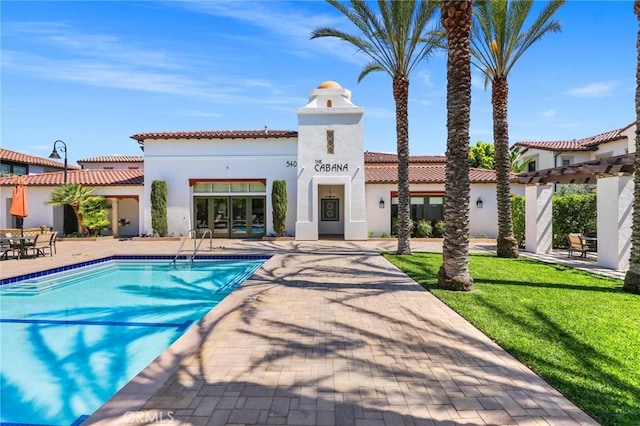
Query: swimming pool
x=71, y=340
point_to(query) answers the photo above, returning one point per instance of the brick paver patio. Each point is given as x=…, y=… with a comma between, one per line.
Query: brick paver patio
x=326, y=333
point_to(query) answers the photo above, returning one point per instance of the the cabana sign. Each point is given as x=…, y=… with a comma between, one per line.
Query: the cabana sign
x=331, y=167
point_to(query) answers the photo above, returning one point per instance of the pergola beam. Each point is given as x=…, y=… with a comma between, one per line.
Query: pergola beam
x=586, y=172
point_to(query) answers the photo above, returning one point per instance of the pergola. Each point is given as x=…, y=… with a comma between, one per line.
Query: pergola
x=587, y=172
x=613, y=177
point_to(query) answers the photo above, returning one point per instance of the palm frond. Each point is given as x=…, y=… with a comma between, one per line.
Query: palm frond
x=370, y=67
x=501, y=23
x=397, y=38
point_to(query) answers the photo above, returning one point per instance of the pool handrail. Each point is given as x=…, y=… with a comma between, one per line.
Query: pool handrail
x=204, y=234
x=192, y=234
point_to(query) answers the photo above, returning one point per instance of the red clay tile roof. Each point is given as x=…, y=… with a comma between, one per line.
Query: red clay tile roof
x=218, y=134
x=83, y=177
x=18, y=157
x=585, y=144
x=422, y=174
x=113, y=159
x=384, y=157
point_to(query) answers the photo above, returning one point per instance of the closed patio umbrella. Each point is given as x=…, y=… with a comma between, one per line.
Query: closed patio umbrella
x=19, y=203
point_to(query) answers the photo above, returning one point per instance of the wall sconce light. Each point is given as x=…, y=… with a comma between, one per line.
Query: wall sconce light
x=479, y=203
x=381, y=203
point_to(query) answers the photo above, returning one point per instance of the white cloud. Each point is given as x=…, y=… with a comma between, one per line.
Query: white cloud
x=425, y=77
x=478, y=80
x=593, y=90
x=550, y=113
x=108, y=61
x=293, y=37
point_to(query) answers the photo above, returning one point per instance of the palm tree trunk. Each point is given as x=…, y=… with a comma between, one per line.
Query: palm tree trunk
x=454, y=272
x=632, y=278
x=507, y=244
x=401, y=97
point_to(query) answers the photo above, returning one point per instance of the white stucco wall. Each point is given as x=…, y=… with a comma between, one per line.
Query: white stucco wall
x=483, y=222
x=615, y=211
x=128, y=209
x=548, y=159
x=630, y=137
x=178, y=161
x=379, y=220
x=539, y=218
x=330, y=110
x=543, y=158
x=613, y=148
x=41, y=213
x=574, y=157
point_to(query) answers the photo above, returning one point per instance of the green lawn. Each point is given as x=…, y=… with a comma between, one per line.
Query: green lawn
x=577, y=330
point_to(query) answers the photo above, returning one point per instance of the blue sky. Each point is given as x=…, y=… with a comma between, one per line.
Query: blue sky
x=94, y=73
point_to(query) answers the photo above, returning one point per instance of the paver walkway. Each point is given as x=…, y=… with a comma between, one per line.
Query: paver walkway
x=330, y=333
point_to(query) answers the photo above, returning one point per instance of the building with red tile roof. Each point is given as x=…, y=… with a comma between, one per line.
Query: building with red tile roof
x=113, y=162
x=222, y=180
x=17, y=163
x=542, y=155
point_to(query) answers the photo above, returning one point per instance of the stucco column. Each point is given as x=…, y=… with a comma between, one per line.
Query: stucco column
x=538, y=225
x=114, y=217
x=615, y=207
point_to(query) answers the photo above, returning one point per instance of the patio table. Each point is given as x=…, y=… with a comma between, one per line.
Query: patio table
x=21, y=244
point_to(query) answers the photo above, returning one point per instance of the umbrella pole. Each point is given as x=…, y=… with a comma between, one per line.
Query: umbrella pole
x=20, y=221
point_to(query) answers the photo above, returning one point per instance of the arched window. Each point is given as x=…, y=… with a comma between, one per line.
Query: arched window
x=329, y=104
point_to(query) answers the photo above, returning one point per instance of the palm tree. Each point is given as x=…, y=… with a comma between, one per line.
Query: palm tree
x=518, y=165
x=498, y=42
x=454, y=274
x=74, y=195
x=94, y=214
x=395, y=42
x=632, y=278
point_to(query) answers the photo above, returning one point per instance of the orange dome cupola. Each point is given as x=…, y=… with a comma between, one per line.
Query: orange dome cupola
x=329, y=85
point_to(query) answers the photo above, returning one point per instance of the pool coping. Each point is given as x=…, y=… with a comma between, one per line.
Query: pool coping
x=51, y=271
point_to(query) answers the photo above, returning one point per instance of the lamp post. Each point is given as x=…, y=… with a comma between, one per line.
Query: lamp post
x=55, y=156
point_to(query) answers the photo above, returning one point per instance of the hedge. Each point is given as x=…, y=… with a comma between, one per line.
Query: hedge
x=159, y=208
x=571, y=213
x=279, y=205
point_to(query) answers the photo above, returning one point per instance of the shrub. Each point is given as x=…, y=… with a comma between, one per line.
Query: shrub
x=572, y=212
x=384, y=235
x=279, y=205
x=159, y=208
x=517, y=216
x=394, y=227
x=423, y=229
x=438, y=229
x=94, y=214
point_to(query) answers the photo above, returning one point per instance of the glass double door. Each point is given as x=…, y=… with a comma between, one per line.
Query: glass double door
x=230, y=217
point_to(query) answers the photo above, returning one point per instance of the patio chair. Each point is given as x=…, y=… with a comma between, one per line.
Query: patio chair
x=577, y=243
x=54, y=237
x=40, y=244
x=6, y=246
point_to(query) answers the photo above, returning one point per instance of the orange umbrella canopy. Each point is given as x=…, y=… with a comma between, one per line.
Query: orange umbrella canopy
x=19, y=204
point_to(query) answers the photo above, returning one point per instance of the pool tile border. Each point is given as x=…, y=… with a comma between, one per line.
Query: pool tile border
x=51, y=271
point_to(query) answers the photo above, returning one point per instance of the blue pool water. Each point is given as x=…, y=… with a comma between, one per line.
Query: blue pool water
x=71, y=340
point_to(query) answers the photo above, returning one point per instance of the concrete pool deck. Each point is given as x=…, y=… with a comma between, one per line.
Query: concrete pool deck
x=326, y=333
